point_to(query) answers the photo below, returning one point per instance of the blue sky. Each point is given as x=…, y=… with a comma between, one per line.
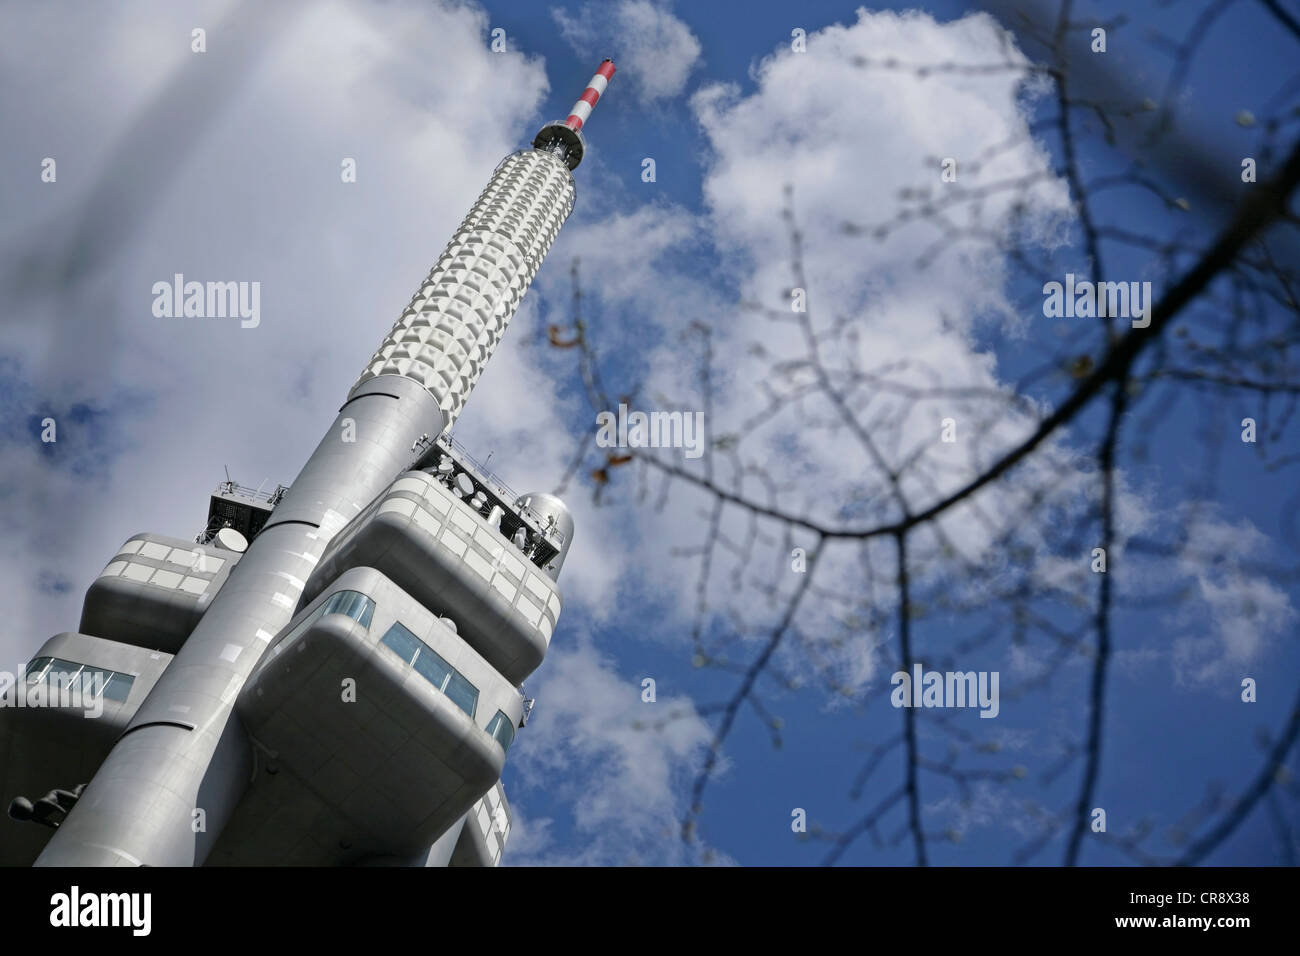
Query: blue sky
x=240, y=181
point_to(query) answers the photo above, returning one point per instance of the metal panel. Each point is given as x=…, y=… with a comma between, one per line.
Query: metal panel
x=356, y=740
x=154, y=591
x=45, y=747
x=445, y=555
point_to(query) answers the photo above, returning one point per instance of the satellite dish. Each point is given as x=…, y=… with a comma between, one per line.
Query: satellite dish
x=232, y=540
x=465, y=484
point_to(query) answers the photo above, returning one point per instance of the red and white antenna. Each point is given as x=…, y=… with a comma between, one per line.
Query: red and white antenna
x=566, y=139
x=591, y=95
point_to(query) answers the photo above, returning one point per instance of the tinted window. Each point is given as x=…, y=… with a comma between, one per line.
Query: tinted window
x=118, y=687
x=59, y=674
x=352, y=603
x=430, y=665
x=462, y=693
x=502, y=730
x=402, y=642
x=36, y=669
x=432, y=668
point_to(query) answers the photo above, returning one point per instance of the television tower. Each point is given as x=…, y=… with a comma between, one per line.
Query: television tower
x=331, y=673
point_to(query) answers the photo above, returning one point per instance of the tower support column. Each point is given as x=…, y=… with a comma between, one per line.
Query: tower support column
x=166, y=790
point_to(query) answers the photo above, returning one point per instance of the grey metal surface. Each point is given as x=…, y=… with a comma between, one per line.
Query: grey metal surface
x=185, y=758
x=433, y=545
x=358, y=755
x=448, y=452
x=154, y=591
x=140, y=806
x=42, y=748
x=487, y=827
x=554, y=515
x=440, y=853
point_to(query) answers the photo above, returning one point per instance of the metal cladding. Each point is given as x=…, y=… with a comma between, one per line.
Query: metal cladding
x=554, y=514
x=442, y=552
x=456, y=319
x=590, y=96
x=53, y=744
x=487, y=827
x=184, y=748
x=437, y=630
x=154, y=591
x=383, y=775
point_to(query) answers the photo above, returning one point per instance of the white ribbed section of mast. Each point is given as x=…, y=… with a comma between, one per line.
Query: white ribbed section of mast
x=456, y=319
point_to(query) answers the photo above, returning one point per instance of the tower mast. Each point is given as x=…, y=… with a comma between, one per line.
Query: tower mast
x=217, y=715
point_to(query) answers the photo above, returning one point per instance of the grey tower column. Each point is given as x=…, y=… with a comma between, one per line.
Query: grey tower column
x=184, y=752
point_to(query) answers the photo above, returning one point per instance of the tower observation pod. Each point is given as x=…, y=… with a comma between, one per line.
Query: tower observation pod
x=342, y=691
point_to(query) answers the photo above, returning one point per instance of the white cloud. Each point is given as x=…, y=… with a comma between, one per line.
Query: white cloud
x=1233, y=612
x=1225, y=610
x=651, y=48
x=984, y=806
x=847, y=140
x=620, y=762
